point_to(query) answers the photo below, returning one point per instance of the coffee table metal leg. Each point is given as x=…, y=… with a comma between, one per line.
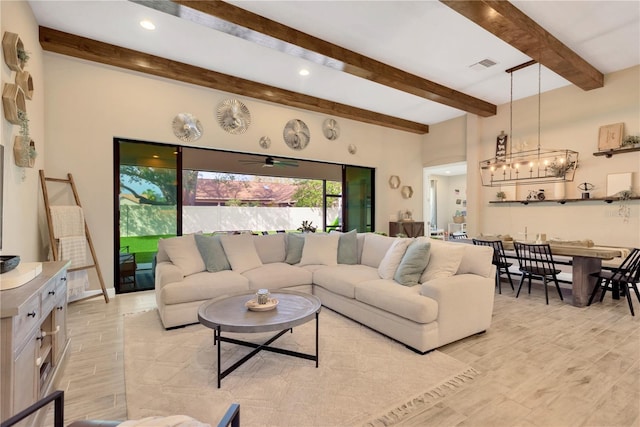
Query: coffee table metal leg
x=216, y=341
x=317, y=328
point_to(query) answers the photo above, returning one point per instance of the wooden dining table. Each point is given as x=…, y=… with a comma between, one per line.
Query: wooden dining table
x=585, y=260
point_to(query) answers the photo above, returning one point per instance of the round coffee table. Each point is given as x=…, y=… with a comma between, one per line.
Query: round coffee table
x=229, y=314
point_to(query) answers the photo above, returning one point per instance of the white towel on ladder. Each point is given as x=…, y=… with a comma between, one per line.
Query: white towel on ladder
x=67, y=221
x=74, y=249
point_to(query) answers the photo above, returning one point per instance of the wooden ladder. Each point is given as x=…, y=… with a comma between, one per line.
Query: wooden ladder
x=52, y=240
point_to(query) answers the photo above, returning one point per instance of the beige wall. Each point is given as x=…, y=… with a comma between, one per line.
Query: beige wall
x=570, y=118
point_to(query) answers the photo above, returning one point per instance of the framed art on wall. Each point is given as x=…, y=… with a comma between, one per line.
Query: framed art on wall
x=610, y=136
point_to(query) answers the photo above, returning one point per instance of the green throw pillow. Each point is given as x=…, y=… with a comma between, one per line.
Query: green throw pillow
x=212, y=253
x=413, y=263
x=295, y=243
x=348, y=248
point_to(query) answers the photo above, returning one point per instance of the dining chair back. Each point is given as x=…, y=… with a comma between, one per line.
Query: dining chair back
x=536, y=262
x=622, y=279
x=499, y=260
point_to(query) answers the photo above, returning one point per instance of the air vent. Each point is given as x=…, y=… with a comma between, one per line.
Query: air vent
x=482, y=65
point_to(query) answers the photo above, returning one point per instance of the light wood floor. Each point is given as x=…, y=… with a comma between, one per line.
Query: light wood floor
x=541, y=365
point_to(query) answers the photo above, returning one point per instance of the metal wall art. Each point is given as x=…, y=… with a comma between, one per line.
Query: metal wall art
x=233, y=116
x=186, y=127
x=331, y=129
x=265, y=142
x=296, y=134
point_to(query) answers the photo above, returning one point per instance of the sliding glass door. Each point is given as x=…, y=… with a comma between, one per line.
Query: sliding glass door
x=358, y=198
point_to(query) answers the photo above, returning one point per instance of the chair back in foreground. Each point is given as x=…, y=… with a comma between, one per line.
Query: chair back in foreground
x=499, y=260
x=624, y=278
x=536, y=262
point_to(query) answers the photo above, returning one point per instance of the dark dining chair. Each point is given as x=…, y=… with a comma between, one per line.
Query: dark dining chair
x=499, y=260
x=622, y=279
x=536, y=262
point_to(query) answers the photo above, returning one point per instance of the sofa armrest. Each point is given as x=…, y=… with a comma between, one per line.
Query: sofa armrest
x=167, y=272
x=465, y=304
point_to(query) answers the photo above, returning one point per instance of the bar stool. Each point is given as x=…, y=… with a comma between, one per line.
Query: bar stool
x=499, y=260
x=625, y=278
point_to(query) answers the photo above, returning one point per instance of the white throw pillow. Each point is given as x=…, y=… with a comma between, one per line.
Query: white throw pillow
x=393, y=257
x=375, y=248
x=320, y=249
x=183, y=252
x=241, y=252
x=270, y=248
x=444, y=260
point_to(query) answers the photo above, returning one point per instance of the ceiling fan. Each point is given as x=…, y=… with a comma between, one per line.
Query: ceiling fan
x=269, y=162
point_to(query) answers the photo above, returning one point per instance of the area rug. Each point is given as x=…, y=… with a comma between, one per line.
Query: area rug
x=363, y=378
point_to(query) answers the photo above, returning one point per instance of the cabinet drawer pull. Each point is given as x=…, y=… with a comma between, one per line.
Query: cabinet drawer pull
x=64, y=279
x=52, y=292
x=60, y=307
x=32, y=314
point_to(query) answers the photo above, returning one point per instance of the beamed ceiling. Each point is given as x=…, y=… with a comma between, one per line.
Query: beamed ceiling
x=402, y=65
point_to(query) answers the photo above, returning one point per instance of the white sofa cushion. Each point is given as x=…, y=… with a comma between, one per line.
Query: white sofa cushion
x=391, y=260
x=271, y=248
x=375, y=248
x=476, y=260
x=203, y=286
x=404, y=301
x=413, y=263
x=444, y=260
x=277, y=275
x=320, y=249
x=241, y=252
x=342, y=278
x=183, y=252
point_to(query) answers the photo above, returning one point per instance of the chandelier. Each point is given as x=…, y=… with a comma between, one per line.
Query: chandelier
x=535, y=166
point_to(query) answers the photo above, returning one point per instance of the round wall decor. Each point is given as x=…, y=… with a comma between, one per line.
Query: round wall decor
x=331, y=129
x=186, y=127
x=265, y=142
x=296, y=134
x=233, y=116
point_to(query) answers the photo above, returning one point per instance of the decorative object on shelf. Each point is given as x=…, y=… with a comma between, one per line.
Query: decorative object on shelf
x=528, y=166
x=617, y=182
x=610, y=136
x=459, y=217
x=394, y=181
x=13, y=100
x=585, y=187
x=265, y=142
x=501, y=195
x=307, y=227
x=25, y=82
x=352, y=149
x=331, y=129
x=536, y=195
x=186, y=127
x=406, y=191
x=624, y=210
x=559, y=190
x=407, y=215
x=233, y=116
x=296, y=134
x=631, y=141
x=15, y=55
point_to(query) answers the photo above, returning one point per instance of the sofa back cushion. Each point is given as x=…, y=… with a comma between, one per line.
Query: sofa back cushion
x=271, y=247
x=375, y=248
x=476, y=260
x=320, y=249
x=241, y=252
x=212, y=253
x=444, y=260
x=183, y=252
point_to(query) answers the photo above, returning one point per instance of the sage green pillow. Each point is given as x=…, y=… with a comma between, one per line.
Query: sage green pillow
x=295, y=243
x=348, y=248
x=413, y=263
x=212, y=253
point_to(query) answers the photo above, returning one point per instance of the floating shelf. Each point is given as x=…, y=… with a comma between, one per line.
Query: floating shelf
x=11, y=43
x=25, y=81
x=13, y=99
x=610, y=153
x=563, y=201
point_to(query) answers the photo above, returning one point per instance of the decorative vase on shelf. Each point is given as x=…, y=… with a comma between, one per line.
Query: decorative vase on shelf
x=559, y=190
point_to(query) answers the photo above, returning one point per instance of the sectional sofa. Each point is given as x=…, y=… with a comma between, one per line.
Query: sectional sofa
x=422, y=292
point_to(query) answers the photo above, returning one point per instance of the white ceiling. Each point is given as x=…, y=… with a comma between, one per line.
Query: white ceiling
x=425, y=38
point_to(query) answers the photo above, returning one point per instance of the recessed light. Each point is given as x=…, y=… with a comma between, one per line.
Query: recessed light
x=155, y=156
x=147, y=25
x=303, y=72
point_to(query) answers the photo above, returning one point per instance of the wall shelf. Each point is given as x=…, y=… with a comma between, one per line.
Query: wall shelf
x=610, y=153
x=563, y=201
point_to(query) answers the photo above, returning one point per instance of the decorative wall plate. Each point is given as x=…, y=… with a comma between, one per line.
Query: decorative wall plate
x=296, y=134
x=265, y=142
x=331, y=129
x=394, y=181
x=352, y=149
x=233, y=116
x=186, y=127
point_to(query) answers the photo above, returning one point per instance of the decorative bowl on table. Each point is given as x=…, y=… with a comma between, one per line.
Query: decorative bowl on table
x=253, y=305
x=8, y=262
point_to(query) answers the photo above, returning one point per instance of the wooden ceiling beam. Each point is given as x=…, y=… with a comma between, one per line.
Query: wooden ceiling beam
x=510, y=24
x=92, y=50
x=355, y=64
